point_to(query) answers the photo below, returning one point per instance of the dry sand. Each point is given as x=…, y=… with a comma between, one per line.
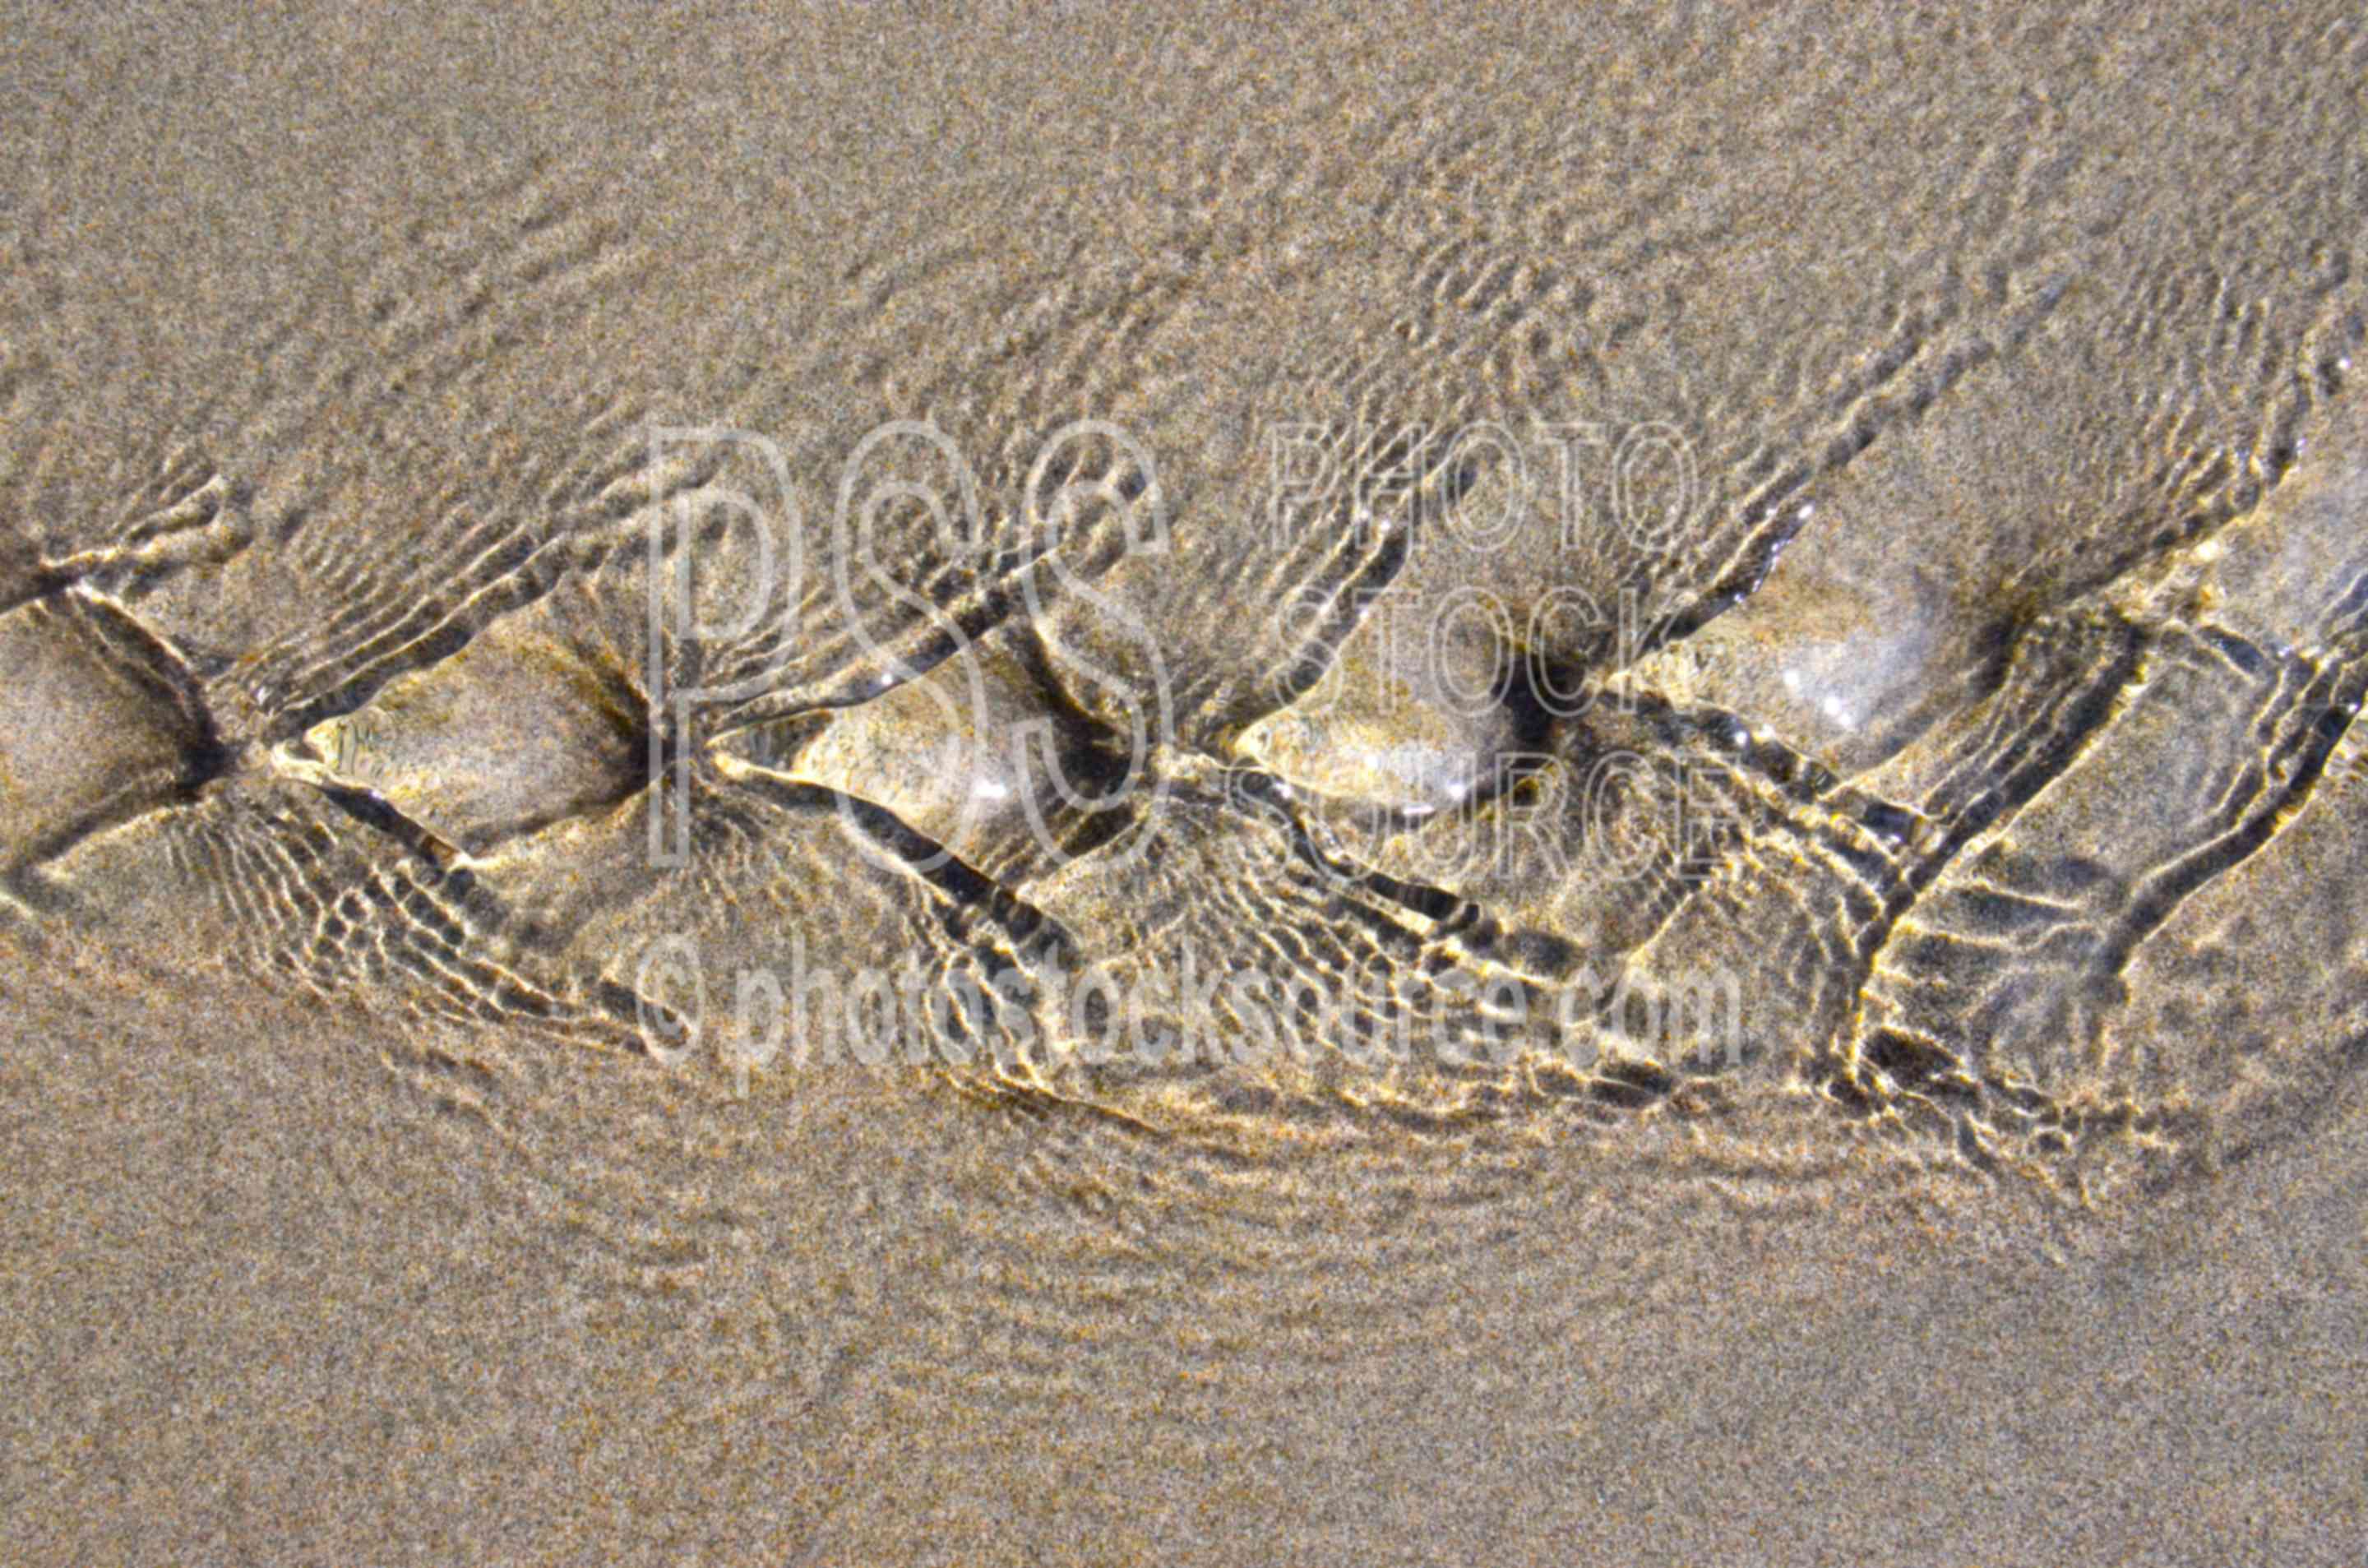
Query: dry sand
x=1964, y=550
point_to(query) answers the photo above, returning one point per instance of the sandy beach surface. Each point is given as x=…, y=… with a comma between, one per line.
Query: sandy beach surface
x=1184, y=784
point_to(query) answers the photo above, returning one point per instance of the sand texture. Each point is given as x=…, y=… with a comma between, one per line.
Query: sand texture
x=847, y=785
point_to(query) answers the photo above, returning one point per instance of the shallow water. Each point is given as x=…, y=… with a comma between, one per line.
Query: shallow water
x=1662, y=839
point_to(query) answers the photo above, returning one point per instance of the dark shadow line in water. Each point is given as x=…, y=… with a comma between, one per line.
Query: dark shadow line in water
x=2337, y=696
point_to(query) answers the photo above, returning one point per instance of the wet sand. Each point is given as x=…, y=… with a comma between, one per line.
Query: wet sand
x=1594, y=521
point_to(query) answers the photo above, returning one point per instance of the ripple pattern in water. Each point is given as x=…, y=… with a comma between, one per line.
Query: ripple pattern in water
x=1929, y=749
